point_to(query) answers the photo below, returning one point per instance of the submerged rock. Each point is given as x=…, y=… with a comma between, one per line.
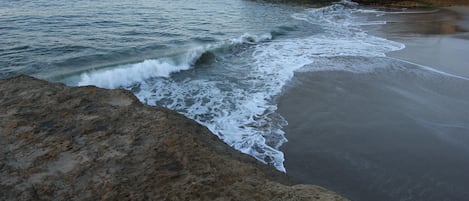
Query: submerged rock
x=87, y=143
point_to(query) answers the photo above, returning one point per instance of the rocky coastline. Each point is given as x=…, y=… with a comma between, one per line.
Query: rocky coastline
x=86, y=143
x=414, y=3
x=384, y=3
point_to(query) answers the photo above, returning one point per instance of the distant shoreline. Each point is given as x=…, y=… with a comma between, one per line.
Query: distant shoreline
x=437, y=44
x=414, y=3
x=385, y=3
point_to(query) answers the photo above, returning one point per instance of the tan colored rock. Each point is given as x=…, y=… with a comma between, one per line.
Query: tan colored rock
x=86, y=143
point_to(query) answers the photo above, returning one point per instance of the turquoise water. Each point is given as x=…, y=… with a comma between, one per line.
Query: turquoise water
x=228, y=64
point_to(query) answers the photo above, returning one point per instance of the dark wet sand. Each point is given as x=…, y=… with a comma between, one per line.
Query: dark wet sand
x=390, y=134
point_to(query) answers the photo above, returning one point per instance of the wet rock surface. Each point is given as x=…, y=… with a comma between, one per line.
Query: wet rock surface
x=87, y=143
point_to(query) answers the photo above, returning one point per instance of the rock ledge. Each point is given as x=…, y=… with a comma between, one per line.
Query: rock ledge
x=87, y=143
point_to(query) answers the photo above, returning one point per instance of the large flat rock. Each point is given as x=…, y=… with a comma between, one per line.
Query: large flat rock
x=87, y=143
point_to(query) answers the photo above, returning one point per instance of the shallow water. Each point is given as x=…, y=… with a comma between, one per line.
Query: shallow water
x=360, y=123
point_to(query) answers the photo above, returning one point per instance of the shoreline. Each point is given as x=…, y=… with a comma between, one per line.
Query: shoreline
x=441, y=45
x=382, y=3
x=387, y=135
x=414, y=3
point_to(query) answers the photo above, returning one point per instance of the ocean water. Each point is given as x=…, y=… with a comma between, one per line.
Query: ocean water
x=225, y=64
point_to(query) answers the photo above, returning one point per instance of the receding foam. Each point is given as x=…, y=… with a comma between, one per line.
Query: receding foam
x=343, y=37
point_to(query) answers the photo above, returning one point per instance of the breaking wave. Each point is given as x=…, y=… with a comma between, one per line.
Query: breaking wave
x=125, y=75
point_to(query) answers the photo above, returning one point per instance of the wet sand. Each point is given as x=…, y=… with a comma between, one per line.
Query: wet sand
x=437, y=39
x=398, y=133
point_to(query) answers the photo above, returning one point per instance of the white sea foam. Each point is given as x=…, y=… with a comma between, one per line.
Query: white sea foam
x=343, y=37
x=241, y=117
x=247, y=38
x=126, y=75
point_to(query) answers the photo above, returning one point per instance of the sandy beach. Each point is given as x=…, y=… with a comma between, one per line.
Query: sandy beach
x=396, y=133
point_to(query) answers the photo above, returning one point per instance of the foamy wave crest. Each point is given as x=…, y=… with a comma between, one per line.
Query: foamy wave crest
x=127, y=75
x=251, y=39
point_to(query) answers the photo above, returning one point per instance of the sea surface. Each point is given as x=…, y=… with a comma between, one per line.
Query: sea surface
x=256, y=73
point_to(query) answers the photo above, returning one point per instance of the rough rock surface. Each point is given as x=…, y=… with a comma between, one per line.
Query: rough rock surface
x=86, y=143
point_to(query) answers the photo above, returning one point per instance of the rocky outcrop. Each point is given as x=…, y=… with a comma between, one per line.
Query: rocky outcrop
x=413, y=3
x=385, y=3
x=87, y=143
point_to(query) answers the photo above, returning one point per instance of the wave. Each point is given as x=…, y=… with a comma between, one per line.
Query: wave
x=129, y=74
x=251, y=39
x=126, y=75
